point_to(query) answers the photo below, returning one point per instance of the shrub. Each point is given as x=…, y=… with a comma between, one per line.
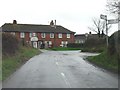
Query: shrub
x=10, y=44
x=95, y=42
x=75, y=45
x=114, y=43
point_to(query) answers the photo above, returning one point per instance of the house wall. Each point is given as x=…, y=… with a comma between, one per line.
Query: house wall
x=55, y=41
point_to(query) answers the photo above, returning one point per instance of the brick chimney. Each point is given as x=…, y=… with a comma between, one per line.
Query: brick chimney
x=90, y=33
x=52, y=23
x=14, y=22
x=55, y=23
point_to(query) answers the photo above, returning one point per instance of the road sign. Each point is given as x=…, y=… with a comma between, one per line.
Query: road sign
x=113, y=21
x=103, y=17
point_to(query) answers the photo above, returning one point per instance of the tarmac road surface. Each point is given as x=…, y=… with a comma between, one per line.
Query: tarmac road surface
x=61, y=69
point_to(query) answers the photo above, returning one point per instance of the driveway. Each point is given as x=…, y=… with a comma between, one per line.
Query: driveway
x=61, y=69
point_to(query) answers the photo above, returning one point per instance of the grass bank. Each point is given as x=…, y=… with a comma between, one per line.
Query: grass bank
x=11, y=63
x=63, y=49
x=94, y=49
x=105, y=61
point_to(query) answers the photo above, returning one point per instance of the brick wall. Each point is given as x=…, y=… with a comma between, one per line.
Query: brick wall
x=47, y=38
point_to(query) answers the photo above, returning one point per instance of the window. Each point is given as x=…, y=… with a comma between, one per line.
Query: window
x=60, y=35
x=13, y=33
x=51, y=35
x=64, y=43
x=50, y=42
x=33, y=34
x=68, y=35
x=22, y=35
x=30, y=34
x=43, y=35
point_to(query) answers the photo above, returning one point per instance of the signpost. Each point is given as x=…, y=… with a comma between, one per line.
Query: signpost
x=118, y=27
x=113, y=21
x=104, y=17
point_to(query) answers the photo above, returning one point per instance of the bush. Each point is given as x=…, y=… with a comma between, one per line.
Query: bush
x=10, y=44
x=94, y=45
x=114, y=43
x=95, y=42
x=75, y=45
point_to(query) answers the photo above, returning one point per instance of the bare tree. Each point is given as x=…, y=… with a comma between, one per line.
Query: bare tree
x=99, y=27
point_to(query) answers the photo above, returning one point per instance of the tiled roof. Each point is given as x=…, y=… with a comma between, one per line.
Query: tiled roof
x=9, y=27
x=80, y=36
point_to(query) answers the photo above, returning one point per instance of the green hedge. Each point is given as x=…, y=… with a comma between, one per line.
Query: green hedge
x=75, y=45
x=10, y=44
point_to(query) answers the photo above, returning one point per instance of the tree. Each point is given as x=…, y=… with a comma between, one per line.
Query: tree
x=113, y=6
x=99, y=27
x=10, y=44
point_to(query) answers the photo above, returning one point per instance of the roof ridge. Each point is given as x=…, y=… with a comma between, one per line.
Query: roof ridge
x=33, y=24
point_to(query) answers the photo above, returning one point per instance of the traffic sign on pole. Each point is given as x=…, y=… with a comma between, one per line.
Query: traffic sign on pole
x=113, y=21
x=103, y=17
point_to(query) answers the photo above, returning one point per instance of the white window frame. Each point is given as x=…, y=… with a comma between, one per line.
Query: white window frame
x=34, y=34
x=60, y=35
x=30, y=34
x=22, y=35
x=68, y=35
x=43, y=35
x=51, y=35
x=50, y=42
x=13, y=33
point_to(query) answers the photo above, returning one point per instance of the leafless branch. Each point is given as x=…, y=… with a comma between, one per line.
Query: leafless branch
x=113, y=6
x=98, y=26
x=92, y=29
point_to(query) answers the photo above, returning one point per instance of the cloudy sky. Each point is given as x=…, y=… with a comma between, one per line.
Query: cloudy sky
x=76, y=15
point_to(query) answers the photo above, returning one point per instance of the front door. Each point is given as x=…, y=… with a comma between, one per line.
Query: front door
x=35, y=44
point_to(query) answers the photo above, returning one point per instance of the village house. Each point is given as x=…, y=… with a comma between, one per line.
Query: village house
x=81, y=38
x=40, y=36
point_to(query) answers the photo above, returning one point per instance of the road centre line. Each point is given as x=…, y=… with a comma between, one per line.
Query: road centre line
x=57, y=63
x=66, y=81
x=64, y=77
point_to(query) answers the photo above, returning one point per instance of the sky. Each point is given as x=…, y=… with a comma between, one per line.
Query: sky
x=75, y=15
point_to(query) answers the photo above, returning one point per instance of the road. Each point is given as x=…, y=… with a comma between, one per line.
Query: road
x=61, y=69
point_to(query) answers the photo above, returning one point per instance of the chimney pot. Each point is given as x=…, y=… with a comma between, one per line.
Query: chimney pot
x=90, y=33
x=14, y=22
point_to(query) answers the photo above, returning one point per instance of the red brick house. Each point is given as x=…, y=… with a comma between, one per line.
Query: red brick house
x=37, y=35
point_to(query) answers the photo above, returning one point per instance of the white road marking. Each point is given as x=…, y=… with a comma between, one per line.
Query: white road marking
x=57, y=63
x=65, y=79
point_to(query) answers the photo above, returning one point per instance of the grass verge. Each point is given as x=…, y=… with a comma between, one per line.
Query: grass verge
x=11, y=63
x=105, y=61
x=63, y=49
